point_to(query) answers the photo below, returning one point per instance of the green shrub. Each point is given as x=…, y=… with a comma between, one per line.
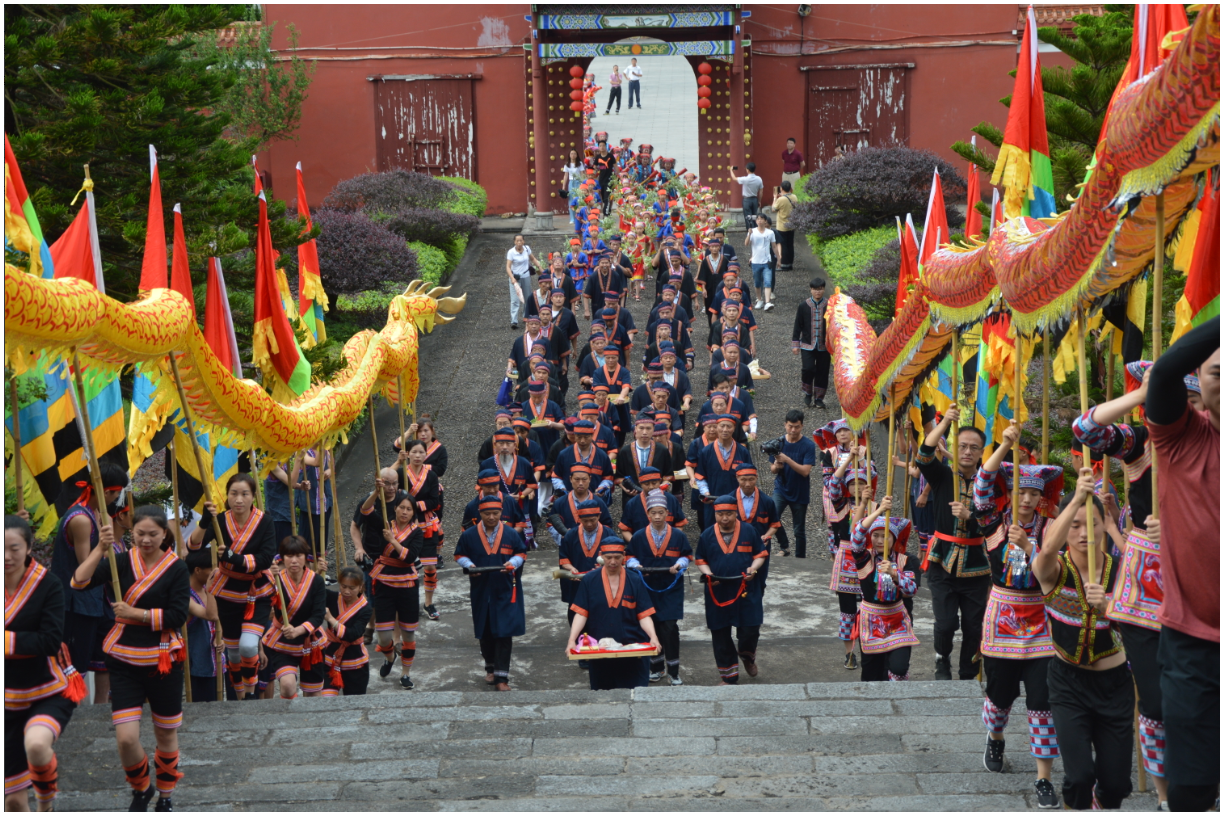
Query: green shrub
x=431, y=261
x=800, y=190
x=469, y=197
x=843, y=258
x=454, y=247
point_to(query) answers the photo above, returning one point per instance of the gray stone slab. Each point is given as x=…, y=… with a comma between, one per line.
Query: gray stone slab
x=348, y=806
x=722, y=766
x=909, y=690
x=473, y=748
x=904, y=725
x=406, y=732
x=266, y=794
x=636, y=786
x=485, y=787
x=673, y=709
x=748, y=691
x=630, y=747
x=958, y=743
x=822, y=744
x=861, y=784
x=592, y=766
x=984, y=782
x=265, y=721
x=899, y=763
x=958, y=706
x=970, y=804
x=587, y=711
x=486, y=712
x=807, y=708
x=540, y=728
x=571, y=804
x=720, y=727
x=347, y=772
x=723, y=804
x=582, y=696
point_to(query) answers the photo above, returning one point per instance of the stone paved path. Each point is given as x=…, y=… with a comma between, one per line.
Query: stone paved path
x=820, y=746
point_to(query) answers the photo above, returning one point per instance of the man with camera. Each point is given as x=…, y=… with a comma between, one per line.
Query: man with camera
x=791, y=459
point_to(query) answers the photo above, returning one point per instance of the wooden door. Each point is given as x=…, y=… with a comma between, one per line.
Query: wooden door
x=425, y=125
x=856, y=106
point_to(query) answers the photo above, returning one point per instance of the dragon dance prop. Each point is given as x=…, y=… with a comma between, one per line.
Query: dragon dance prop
x=1161, y=137
x=65, y=317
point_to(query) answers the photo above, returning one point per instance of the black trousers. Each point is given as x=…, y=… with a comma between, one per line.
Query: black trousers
x=668, y=633
x=959, y=603
x=727, y=652
x=1093, y=714
x=308, y=526
x=814, y=373
x=1142, y=652
x=876, y=666
x=751, y=207
x=786, y=241
x=1190, y=682
x=82, y=639
x=496, y=654
x=1003, y=679
x=614, y=95
x=635, y=92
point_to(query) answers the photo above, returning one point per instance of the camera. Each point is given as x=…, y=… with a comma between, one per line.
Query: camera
x=773, y=447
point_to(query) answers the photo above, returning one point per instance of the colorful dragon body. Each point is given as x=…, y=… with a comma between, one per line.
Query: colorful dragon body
x=66, y=316
x=1161, y=137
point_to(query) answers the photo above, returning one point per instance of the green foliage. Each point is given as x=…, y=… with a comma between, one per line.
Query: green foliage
x=470, y=197
x=99, y=84
x=989, y=132
x=454, y=248
x=431, y=261
x=371, y=301
x=265, y=101
x=800, y=189
x=974, y=156
x=844, y=257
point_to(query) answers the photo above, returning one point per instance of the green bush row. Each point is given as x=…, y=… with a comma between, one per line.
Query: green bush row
x=844, y=257
x=432, y=263
x=471, y=198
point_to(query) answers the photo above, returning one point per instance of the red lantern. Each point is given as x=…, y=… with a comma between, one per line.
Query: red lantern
x=705, y=68
x=703, y=103
x=576, y=96
x=704, y=80
x=576, y=84
x=576, y=71
x=704, y=92
x=576, y=106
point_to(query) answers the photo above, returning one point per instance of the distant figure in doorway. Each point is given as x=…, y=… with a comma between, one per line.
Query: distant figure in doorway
x=614, y=95
x=634, y=74
x=793, y=163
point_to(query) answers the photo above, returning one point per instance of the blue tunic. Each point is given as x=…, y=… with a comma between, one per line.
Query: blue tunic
x=615, y=616
x=567, y=508
x=510, y=512
x=574, y=550
x=719, y=473
x=598, y=461
x=765, y=517
x=732, y=555
x=668, y=605
x=634, y=517
x=497, y=602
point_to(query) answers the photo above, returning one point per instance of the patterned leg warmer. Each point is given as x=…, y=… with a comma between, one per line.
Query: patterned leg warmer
x=818, y=393
x=1043, y=741
x=407, y=655
x=729, y=674
x=898, y=677
x=168, y=773
x=46, y=780
x=656, y=664
x=1152, y=738
x=673, y=668
x=138, y=774
x=845, y=626
x=250, y=673
x=431, y=581
x=995, y=718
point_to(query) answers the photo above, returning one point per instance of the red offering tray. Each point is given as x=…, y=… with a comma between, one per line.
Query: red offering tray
x=598, y=654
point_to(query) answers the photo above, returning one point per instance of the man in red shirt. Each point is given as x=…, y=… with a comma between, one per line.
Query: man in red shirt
x=1187, y=447
x=793, y=163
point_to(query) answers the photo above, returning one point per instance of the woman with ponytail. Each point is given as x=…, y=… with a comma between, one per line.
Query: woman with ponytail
x=144, y=650
x=345, y=657
x=41, y=688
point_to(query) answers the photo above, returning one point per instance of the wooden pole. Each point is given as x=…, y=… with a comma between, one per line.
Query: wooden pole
x=1109, y=389
x=892, y=442
x=176, y=527
x=320, y=566
x=341, y=550
x=206, y=481
x=18, y=476
x=186, y=663
x=1017, y=401
x=259, y=497
x=909, y=459
x=95, y=471
x=399, y=414
x=293, y=526
x=952, y=432
x=382, y=498
x=1045, y=397
x=1083, y=387
x=1157, y=314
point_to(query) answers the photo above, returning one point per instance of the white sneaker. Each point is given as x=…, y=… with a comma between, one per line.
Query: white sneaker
x=674, y=681
x=769, y=306
x=758, y=304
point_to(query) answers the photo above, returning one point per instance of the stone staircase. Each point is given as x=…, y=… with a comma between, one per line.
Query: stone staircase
x=820, y=746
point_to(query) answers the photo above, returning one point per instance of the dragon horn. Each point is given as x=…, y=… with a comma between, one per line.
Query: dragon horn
x=437, y=291
x=451, y=305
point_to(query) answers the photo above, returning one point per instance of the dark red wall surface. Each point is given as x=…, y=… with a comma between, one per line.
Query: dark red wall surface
x=952, y=87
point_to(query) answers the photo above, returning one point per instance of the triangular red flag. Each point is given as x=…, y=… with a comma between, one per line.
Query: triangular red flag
x=273, y=336
x=153, y=267
x=973, y=218
x=935, y=228
x=996, y=211
x=909, y=261
x=180, y=271
x=218, y=320
x=73, y=252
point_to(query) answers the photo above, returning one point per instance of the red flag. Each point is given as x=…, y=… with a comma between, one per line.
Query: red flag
x=218, y=321
x=310, y=285
x=996, y=210
x=1153, y=22
x=973, y=218
x=935, y=228
x=909, y=260
x=275, y=347
x=180, y=272
x=73, y=253
x=153, y=268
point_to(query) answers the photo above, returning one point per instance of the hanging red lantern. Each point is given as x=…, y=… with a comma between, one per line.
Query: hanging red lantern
x=704, y=92
x=576, y=106
x=576, y=84
x=704, y=80
x=703, y=103
x=576, y=96
x=576, y=71
x=705, y=68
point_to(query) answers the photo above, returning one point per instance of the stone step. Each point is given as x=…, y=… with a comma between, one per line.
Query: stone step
x=815, y=746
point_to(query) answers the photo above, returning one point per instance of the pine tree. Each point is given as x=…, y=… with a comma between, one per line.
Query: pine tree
x=1075, y=99
x=98, y=85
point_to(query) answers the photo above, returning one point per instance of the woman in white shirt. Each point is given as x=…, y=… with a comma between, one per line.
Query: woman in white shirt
x=614, y=95
x=572, y=175
x=765, y=247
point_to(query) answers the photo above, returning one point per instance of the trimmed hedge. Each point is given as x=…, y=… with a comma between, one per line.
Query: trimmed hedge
x=431, y=261
x=469, y=197
x=844, y=258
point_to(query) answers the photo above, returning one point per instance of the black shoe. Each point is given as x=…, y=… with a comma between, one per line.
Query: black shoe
x=141, y=799
x=993, y=757
x=432, y=612
x=1047, y=799
x=406, y=682
x=820, y=404
x=388, y=662
x=807, y=400
x=584, y=664
x=851, y=662
x=943, y=669
x=164, y=805
x=514, y=326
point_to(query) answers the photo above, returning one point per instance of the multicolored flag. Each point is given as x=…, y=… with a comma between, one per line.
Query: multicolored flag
x=1201, y=300
x=994, y=406
x=312, y=299
x=153, y=267
x=276, y=350
x=973, y=218
x=1023, y=166
x=21, y=228
x=909, y=260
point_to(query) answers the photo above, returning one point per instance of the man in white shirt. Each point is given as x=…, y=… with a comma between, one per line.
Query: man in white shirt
x=519, y=261
x=634, y=74
x=750, y=185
